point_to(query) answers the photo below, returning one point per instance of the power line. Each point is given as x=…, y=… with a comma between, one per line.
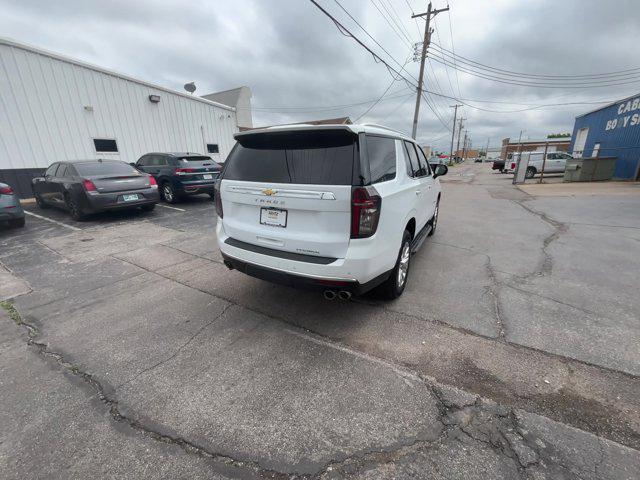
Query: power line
x=402, y=67
x=529, y=83
x=376, y=102
x=293, y=109
x=462, y=59
x=399, y=35
x=400, y=23
x=414, y=19
x=454, y=50
x=376, y=57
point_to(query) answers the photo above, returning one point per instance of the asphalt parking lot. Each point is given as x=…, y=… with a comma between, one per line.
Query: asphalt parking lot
x=130, y=351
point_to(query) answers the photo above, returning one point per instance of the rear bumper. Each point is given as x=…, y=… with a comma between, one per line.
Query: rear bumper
x=102, y=202
x=186, y=187
x=299, y=281
x=359, y=272
x=11, y=214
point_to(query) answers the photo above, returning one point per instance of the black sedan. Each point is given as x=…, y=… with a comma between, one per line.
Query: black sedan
x=89, y=186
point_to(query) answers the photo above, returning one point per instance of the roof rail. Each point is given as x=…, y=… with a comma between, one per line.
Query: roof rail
x=383, y=127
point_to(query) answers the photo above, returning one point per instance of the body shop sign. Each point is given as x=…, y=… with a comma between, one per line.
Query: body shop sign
x=627, y=117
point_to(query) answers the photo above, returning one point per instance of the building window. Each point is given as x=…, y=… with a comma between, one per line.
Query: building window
x=212, y=148
x=105, y=145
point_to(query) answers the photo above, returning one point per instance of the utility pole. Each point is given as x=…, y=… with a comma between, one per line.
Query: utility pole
x=430, y=13
x=464, y=146
x=486, y=151
x=453, y=131
x=459, y=134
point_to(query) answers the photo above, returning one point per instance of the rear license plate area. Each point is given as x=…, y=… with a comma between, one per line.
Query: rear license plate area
x=273, y=217
x=132, y=197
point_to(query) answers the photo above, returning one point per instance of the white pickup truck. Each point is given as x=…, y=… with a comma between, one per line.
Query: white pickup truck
x=555, y=163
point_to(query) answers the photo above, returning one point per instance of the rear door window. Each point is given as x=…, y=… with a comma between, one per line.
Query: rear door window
x=321, y=157
x=413, y=158
x=381, y=152
x=422, y=158
x=62, y=170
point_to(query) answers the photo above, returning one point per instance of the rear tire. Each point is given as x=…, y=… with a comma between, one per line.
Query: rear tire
x=16, y=223
x=40, y=202
x=168, y=193
x=74, y=209
x=148, y=208
x=393, y=287
x=530, y=173
x=434, y=219
x=213, y=196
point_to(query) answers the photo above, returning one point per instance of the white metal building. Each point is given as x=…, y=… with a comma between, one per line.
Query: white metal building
x=55, y=108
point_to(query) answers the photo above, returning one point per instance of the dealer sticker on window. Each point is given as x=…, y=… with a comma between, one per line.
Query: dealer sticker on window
x=274, y=217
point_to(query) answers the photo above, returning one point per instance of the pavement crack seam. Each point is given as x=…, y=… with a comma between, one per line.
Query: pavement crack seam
x=112, y=403
x=558, y=229
x=179, y=349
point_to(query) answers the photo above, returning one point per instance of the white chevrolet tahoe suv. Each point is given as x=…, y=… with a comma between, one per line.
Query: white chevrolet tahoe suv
x=339, y=208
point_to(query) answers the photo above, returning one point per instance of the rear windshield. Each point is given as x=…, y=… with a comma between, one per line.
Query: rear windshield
x=105, y=168
x=322, y=157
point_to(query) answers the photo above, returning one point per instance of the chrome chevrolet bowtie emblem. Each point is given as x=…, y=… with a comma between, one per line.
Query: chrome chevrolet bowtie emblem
x=269, y=192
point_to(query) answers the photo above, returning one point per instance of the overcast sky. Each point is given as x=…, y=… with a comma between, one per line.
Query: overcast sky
x=300, y=67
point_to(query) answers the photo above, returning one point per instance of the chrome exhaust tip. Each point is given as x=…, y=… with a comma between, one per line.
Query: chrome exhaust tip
x=344, y=295
x=329, y=295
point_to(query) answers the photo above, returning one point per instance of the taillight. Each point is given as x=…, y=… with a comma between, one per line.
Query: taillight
x=217, y=197
x=6, y=191
x=89, y=186
x=365, y=211
x=182, y=171
x=513, y=166
x=152, y=181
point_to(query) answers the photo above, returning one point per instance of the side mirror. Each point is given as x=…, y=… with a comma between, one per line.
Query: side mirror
x=440, y=170
x=132, y=164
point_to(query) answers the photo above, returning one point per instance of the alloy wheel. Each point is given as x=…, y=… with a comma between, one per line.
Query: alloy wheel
x=403, y=267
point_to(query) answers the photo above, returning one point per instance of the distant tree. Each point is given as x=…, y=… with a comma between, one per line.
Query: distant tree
x=559, y=135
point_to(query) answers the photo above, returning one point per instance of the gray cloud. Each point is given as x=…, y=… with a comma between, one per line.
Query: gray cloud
x=292, y=55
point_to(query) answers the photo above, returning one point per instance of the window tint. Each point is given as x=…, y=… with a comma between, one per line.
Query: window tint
x=62, y=171
x=105, y=145
x=406, y=159
x=212, y=147
x=424, y=163
x=51, y=170
x=381, y=152
x=323, y=157
x=111, y=167
x=414, y=158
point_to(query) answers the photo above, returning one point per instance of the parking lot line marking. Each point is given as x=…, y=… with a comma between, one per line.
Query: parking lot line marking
x=52, y=221
x=172, y=208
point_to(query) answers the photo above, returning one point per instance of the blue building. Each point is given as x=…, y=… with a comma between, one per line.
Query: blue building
x=611, y=131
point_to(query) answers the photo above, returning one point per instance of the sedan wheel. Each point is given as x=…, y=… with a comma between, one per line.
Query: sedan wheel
x=74, y=209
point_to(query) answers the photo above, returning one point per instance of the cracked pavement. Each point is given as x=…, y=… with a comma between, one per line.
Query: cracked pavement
x=128, y=350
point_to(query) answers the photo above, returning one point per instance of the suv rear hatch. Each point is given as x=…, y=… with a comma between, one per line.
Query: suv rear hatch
x=197, y=169
x=291, y=190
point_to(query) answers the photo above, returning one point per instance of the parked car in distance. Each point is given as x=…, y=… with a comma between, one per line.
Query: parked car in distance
x=556, y=162
x=10, y=208
x=181, y=173
x=477, y=160
x=84, y=187
x=340, y=208
x=498, y=164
